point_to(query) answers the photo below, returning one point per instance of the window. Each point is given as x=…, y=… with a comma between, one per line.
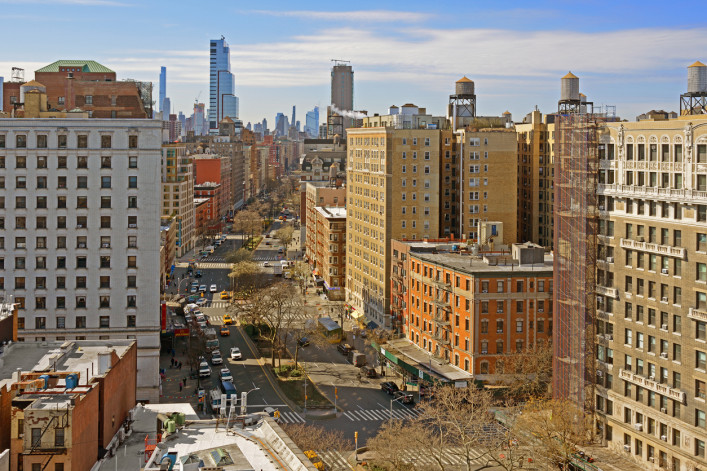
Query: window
x=81, y=320
x=89, y=99
x=36, y=439
x=105, y=222
x=132, y=300
x=105, y=202
x=82, y=161
x=132, y=321
x=82, y=202
x=104, y=322
x=132, y=242
x=58, y=437
x=132, y=161
x=105, y=182
x=132, y=182
x=132, y=281
x=132, y=261
x=105, y=142
x=82, y=182
x=21, y=142
x=82, y=141
x=104, y=302
x=132, y=143
x=132, y=222
x=700, y=360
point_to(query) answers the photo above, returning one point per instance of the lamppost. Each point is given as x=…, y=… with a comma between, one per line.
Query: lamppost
x=244, y=400
x=391, y=405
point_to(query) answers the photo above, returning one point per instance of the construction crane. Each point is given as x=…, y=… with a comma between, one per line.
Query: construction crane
x=196, y=100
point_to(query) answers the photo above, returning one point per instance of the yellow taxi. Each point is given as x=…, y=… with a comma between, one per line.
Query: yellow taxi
x=225, y=295
x=227, y=319
x=225, y=331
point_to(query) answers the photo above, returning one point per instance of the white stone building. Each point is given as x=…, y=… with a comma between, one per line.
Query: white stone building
x=79, y=232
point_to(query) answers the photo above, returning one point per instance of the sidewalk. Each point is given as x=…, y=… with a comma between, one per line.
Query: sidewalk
x=170, y=385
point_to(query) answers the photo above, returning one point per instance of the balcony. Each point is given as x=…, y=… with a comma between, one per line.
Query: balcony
x=606, y=291
x=442, y=304
x=652, y=385
x=697, y=314
x=658, y=249
x=663, y=194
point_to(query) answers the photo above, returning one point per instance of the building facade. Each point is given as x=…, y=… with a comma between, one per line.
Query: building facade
x=651, y=313
x=178, y=194
x=80, y=232
x=473, y=311
x=222, y=99
x=330, y=261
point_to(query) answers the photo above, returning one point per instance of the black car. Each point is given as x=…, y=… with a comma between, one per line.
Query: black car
x=198, y=274
x=303, y=342
x=389, y=387
x=344, y=348
x=404, y=397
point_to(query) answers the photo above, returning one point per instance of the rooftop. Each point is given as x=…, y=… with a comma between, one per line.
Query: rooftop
x=262, y=446
x=331, y=212
x=416, y=356
x=78, y=355
x=85, y=66
x=570, y=75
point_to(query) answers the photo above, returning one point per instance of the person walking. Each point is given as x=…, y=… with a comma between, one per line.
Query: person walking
x=181, y=385
x=180, y=364
x=185, y=381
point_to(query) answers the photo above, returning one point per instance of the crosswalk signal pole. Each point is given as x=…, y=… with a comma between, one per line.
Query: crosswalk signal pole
x=356, y=446
x=336, y=396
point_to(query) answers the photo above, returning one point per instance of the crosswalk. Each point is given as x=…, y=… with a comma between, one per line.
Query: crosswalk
x=335, y=460
x=210, y=259
x=291, y=418
x=207, y=265
x=266, y=257
x=379, y=414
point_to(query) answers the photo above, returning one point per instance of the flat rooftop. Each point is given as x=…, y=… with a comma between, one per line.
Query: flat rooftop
x=416, y=356
x=75, y=355
x=332, y=212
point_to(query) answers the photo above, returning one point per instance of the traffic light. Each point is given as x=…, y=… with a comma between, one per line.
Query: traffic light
x=336, y=392
x=277, y=414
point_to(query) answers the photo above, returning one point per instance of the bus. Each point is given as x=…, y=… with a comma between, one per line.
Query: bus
x=229, y=390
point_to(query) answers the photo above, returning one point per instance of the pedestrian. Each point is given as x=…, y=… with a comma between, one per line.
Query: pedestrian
x=180, y=364
x=180, y=386
x=171, y=363
x=185, y=381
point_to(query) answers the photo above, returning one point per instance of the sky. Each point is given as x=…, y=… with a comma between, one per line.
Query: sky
x=630, y=54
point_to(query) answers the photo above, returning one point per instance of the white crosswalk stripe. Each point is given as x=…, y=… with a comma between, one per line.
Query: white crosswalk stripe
x=335, y=459
x=291, y=418
x=213, y=264
x=379, y=414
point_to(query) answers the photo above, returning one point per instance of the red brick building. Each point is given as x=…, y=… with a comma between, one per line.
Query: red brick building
x=89, y=86
x=472, y=310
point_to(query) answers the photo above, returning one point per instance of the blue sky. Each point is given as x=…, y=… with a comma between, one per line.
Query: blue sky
x=632, y=54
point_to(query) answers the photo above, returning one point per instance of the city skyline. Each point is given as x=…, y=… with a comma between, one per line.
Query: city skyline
x=515, y=55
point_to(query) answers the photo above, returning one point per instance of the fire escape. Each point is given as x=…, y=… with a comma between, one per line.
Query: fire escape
x=397, y=305
x=59, y=422
x=441, y=320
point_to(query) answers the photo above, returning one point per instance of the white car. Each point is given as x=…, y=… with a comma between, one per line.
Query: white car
x=216, y=358
x=202, y=301
x=226, y=375
x=236, y=353
x=266, y=264
x=204, y=370
x=213, y=288
x=202, y=288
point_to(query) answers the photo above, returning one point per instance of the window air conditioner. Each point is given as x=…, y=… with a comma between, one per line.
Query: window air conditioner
x=638, y=427
x=608, y=337
x=664, y=438
x=664, y=299
x=664, y=271
x=484, y=291
x=664, y=326
x=664, y=355
x=610, y=259
x=105, y=246
x=652, y=377
x=541, y=310
x=664, y=410
x=627, y=448
x=132, y=225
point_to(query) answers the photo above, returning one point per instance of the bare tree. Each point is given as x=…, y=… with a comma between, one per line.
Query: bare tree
x=554, y=429
x=239, y=255
x=528, y=373
x=247, y=277
x=393, y=442
x=312, y=437
x=276, y=307
x=300, y=273
x=284, y=235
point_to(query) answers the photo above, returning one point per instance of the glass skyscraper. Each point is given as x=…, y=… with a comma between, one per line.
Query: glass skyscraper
x=222, y=99
x=311, y=126
x=163, y=88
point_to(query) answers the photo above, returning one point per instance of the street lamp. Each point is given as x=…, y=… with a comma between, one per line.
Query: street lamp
x=244, y=400
x=391, y=405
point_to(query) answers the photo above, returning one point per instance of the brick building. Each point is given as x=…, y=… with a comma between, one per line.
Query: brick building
x=330, y=261
x=89, y=86
x=472, y=311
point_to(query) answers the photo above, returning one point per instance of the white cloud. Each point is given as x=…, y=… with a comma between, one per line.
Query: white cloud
x=370, y=16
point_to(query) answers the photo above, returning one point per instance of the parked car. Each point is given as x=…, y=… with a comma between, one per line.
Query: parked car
x=303, y=342
x=216, y=358
x=369, y=371
x=404, y=397
x=236, y=353
x=344, y=348
x=226, y=375
x=202, y=288
x=225, y=331
x=204, y=370
x=213, y=288
x=389, y=387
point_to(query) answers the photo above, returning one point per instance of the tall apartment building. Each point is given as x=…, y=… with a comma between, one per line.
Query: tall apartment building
x=317, y=194
x=472, y=310
x=79, y=235
x=536, y=193
x=652, y=291
x=393, y=192
x=487, y=176
x=178, y=194
x=216, y=170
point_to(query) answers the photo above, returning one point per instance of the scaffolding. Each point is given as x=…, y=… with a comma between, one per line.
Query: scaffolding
x=576, y=231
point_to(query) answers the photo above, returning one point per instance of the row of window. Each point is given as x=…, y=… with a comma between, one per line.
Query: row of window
x=81, y=182
x=41, y=223
x=62, y=161
x=42, y=140
x=81, y=262
x=41, y=202
x=40, y=282
x=40, y=323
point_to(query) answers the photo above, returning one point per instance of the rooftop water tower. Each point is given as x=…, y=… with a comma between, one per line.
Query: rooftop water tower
x=695, y=100
x=570, y=98
x=463, y=103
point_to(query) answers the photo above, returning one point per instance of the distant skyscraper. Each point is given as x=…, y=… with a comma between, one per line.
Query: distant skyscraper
x=342, y=79
x=297, y=126
x=222, y=99
x=265, y=126
x=281, y=125
x=311, y=126
x=198, y=119
x=166, y=108
x=248, y=127
x=183, y=121
x=163, y=91
x=294, y=115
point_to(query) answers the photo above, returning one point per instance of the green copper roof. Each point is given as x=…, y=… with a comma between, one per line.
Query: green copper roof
x=86, y=66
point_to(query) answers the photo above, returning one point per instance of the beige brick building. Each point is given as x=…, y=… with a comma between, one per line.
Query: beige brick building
x=318, y=194
x=651, y=319
x=178, y=194
x=536, y=195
